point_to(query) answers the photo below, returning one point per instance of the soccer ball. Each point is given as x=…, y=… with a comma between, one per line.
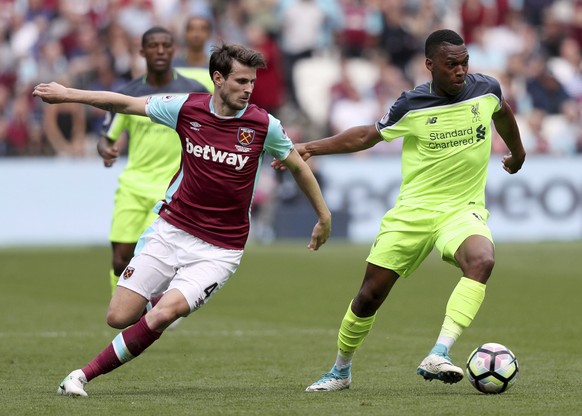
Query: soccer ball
x=492, y=368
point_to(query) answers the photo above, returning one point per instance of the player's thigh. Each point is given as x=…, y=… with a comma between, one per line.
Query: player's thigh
x=154, y=265
x=404, y=240
x=132, y=214
x=200, y=279
x=125, y=307
x=456, y=227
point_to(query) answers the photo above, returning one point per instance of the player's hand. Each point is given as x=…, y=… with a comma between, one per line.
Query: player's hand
x=320, y=234
x=277, y=164
x=108, y=153
x=512, y=164
x=301, y=149
x=110, y=156
x=52, y=93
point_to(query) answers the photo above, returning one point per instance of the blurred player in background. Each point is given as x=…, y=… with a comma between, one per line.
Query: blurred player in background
x=446, y=126
x=153, y=153
x=193, y=62
x=197, y=242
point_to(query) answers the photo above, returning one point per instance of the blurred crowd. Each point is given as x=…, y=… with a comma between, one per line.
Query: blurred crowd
x=332, y=64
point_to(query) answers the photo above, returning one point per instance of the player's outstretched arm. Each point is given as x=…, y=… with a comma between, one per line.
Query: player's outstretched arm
x=354, y=139
x=308, y=184
x=54, y=93
x=506, y=126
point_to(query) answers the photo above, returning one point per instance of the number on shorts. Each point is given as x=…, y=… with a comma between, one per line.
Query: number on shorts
x=210, y=289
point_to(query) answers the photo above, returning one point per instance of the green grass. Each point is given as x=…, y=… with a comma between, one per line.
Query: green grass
x=272, y=330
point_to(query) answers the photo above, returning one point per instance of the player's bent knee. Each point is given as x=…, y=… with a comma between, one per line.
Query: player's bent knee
x=479, y=268
x=485, y=264
x=120, y=322
x=161, y=318
x=367, y=303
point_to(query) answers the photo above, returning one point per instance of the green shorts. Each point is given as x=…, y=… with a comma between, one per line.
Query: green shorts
x=132, y=214
x=407, y=235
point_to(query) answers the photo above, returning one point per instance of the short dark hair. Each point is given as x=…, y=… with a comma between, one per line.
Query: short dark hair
x=203, y=17
x=438, y=37
x=153, y=31
x=222, y=56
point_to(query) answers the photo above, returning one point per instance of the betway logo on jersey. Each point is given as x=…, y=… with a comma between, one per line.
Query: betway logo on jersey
x=211, y=153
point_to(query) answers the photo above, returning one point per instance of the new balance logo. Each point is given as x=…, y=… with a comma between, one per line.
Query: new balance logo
x=431, y=120
x=211, y=153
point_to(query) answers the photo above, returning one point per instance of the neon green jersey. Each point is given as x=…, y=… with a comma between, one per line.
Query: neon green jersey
x=199, y=74
x=154, y=150
x=447, y=143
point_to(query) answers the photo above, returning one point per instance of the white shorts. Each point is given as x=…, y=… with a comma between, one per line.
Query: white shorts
x=169, y=258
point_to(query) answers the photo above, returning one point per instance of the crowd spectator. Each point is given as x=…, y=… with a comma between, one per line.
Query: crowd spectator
x=567, y=67
x=270, y=92
x=397, y=41
x=65, y=126
x=302, y=23
x=350, y=104
x=192, y=62
x=360, y=28
x=532, y=46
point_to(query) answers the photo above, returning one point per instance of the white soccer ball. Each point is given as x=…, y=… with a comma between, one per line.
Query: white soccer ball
x=492, y=368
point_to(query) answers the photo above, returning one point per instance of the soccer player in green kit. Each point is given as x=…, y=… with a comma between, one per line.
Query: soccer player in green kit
x=154, y=150
x=446, y=128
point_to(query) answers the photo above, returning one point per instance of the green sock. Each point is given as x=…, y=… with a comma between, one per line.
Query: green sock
x=462, y=308
x=351, y=335
x=113, y=279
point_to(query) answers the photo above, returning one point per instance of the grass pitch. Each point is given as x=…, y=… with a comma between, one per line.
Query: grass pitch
x=272, y=329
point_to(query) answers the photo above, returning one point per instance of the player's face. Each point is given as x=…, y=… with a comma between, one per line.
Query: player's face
x=449, y=69
x=158, y=52
x=235, y=91
x=197, y=32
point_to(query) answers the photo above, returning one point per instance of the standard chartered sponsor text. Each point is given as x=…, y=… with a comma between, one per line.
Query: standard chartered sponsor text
x=465, y=137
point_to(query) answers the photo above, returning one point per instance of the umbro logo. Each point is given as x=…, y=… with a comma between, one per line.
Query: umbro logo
x=431, y=120
x=194, y=125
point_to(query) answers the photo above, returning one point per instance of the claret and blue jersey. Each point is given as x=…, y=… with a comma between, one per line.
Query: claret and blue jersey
x=211, y=195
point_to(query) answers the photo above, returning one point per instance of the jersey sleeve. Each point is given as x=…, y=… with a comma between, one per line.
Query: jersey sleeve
x=495, y=89
x=165, y=109
x=277, y=143
x=113, y=125
x=390, y=126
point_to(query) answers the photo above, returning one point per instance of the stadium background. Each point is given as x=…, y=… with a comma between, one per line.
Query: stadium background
x=234, y=356
x=344, y=64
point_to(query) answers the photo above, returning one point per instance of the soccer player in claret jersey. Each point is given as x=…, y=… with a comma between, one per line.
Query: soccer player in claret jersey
x=446, y=128
x=196, y=243
x=154, y=150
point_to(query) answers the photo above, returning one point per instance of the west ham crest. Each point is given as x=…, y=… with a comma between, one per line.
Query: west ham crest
x=245, y=136
x=128, y=272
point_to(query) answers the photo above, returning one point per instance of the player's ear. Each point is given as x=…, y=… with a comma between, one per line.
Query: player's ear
x=217, y=78
x=142, y=53
x=428, y=63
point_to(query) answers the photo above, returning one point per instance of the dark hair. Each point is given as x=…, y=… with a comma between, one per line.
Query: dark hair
x=222, y=56
x=203, y=17
x=153, y=31
x=437, y=38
